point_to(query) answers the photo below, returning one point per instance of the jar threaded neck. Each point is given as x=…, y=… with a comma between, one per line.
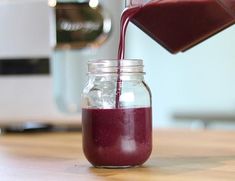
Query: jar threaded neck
x=113, y=66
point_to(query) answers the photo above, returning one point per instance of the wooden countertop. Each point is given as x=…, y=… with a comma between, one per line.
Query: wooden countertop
x=177, y=155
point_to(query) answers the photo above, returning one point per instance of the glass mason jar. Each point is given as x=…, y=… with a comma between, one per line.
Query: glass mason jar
x=116, y=134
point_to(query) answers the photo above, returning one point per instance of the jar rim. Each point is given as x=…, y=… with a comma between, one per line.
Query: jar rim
x=115, y=66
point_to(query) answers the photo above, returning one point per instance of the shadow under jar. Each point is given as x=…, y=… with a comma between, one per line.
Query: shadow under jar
x=116, y=137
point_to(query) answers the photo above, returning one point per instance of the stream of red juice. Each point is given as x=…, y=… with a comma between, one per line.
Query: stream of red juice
x=125, y=19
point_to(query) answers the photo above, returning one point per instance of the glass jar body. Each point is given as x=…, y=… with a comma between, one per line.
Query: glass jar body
x=116, y=137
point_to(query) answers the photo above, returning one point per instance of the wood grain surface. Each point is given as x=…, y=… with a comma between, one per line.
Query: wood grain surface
x=177, y=155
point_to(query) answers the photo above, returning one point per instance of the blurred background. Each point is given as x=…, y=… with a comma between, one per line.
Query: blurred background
x=41, y=75
x=193, y=89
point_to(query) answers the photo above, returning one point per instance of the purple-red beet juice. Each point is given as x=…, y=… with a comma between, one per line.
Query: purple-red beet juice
x=117, y=137
x=179, y=24
x=127, y=15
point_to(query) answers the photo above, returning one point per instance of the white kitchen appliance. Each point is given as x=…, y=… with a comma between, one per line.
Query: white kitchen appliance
x=25, y=37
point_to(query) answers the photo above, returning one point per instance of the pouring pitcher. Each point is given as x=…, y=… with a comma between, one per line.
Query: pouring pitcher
x=179, y=25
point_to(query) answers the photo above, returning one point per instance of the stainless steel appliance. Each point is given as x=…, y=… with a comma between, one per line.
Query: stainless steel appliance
x=79, y=29
x=25, y=39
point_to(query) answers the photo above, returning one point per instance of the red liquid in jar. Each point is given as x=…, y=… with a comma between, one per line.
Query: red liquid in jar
x=179, y=25
x=117, y=137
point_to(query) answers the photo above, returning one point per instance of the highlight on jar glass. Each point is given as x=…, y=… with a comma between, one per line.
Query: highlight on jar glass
x=116, y=114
